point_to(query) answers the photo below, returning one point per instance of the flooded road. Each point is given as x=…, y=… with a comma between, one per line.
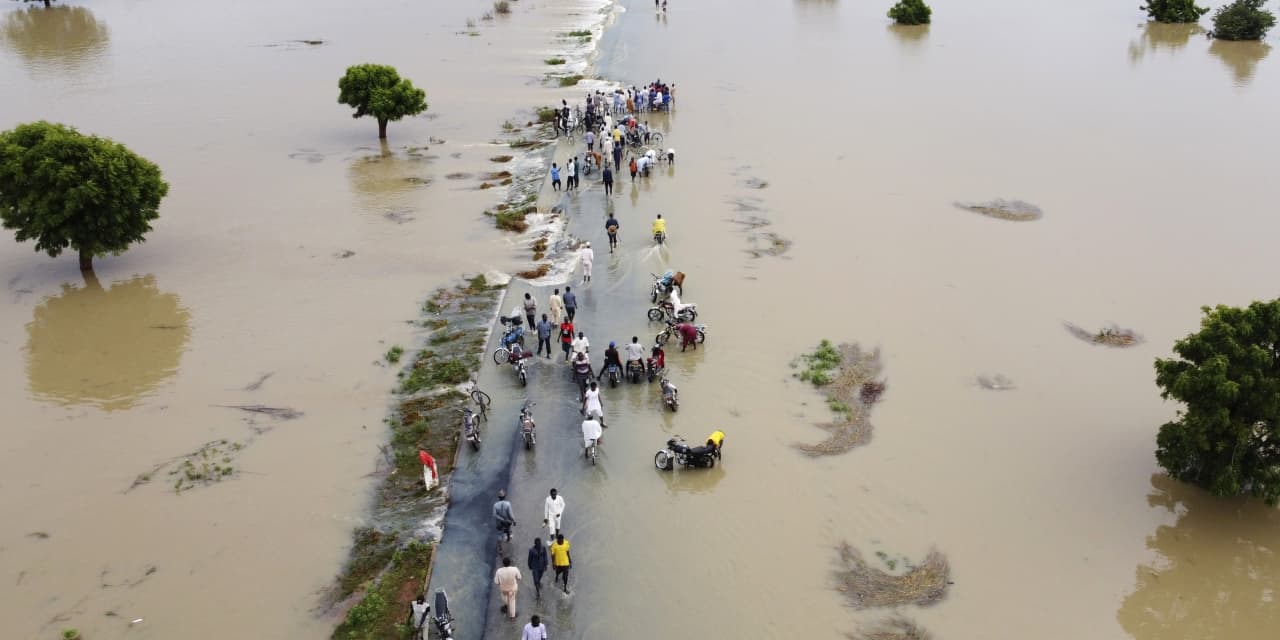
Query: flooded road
x=1148, y=150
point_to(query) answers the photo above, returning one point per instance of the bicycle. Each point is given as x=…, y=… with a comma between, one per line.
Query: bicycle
x=592, y=452
x=482, y=400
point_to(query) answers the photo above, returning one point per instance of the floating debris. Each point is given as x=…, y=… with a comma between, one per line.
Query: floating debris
x=996, y=382
x=398, y=216
x=459, y=175
x=39, y=535
x=850, y=375
x=867, y=587
x=768, y=244
x=1112, y=336
x=281, y=413
x=896, y=627
x=755, y=183
x=257, y=384
x=344, y=254
x=310, y=155
x=209, y=464
x=1015, y=210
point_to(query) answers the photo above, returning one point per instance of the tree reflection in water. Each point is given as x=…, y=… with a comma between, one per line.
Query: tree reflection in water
x=61, y=39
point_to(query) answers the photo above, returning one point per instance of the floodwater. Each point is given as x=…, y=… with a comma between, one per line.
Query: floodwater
x=1147, y=149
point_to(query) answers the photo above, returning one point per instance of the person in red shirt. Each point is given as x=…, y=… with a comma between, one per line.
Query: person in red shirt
x=688, y=335
x=566, y=338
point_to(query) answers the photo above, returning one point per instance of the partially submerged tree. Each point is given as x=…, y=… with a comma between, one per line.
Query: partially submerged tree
x=378, y=90
x=47, y=3
x=1227, y=440
x=910, y=12
x=64, y=189
x=1174, y=11
x=1242, y=20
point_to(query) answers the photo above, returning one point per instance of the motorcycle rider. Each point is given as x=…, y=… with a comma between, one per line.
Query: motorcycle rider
x=674, y=299
x=635, y=354
x=611, y=358
x=658, y=357
x=659, y=226
x=669, y=390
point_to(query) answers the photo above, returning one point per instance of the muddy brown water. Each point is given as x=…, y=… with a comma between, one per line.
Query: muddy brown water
x=1152, y=168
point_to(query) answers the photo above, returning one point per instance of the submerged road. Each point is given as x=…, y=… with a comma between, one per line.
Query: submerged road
x=612, y=307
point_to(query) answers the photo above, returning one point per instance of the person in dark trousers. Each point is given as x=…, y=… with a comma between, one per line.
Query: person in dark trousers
x=566, y=338
x=607, y=176
x=635, y=168
x=555, y=177
x=560, y=560
x=538, y=561
x=611, y=226
x=530, y=310
x=544, y=335
x=418, y=610
x=617, y=154
x=570, y=303
x=503, y=516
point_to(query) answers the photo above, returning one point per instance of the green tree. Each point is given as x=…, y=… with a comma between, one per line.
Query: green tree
x=910, y=12
x=65, y=189
x=378, y=90
x=1227, y=440
x=1242, y=20
x=1174, y=11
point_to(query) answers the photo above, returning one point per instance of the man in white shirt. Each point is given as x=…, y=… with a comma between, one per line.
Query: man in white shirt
x=591, y=405
x=535, y=630
x=552, y=511
x=635, y=353
x=591, y=432
x=581, y=345
x=507, y=578
x=588, y=257
x=418, y=610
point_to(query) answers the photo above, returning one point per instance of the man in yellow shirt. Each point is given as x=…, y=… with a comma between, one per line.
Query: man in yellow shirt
x=560, y=560
x=659, y=225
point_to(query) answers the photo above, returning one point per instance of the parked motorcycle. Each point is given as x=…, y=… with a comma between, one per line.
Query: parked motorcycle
x=527, y=427
x=670, y=395
x=471, y=427
x=661, y=285
x=667, y=311
x=679, y=452
x=635, y=371
x=652, y=370
x=517, y=360
x=670, y=332
x=513, y=336
x=443, y=618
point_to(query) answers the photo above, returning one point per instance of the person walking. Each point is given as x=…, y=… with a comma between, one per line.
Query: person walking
x=571, y=172
x=555, y=177
x=534, y=630
x=502, y=514
x=552, y=512
x=635, y=168
x=566, y=338
x=582, y=345
x=607, y=177
x=530, y=309
x=538, y=561
x=611, y=227
x=570, y=303
x=606, y=144
x=556, y=303
x=544, y=336
x=561, y=561
x=590, y=139
x=591, y=405
x=507, y=578
x=588, y=257
x=418, y=610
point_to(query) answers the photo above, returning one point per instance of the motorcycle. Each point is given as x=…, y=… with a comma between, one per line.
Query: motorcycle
x=679, y=452
x=517, y=361
x=471, y=427
x=611, y=372
x=443, y=618
x=635, y=370
x=652, y=370
x=667, y=311
x=663, y=284
x=671, y=332
x=527, y=426
x=670, y=395
x=514, y=334
x=660, y=237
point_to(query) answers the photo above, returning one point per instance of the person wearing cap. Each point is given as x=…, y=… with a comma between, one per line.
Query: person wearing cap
x=588, y=256
x=611, y=358
x=502, y=514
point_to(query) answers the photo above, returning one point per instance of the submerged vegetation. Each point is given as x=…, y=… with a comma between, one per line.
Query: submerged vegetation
x=393, y=354
x=910, y=12
x=1112, y=336
x=849, y=376
x=554, y=61
x=868, y=587
x=381, y=612
x=1015, y=210
x=1242, y=20
x=569, y=81
x=1174, y=11
x=895, y=627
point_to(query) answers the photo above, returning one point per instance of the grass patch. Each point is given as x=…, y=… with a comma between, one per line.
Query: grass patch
x=502, y=7
x=501, y=159
x=522, y=143
x=393, y=354
x=429, y=372
x=536, y=272
x=476, y=285
x=581, y=33
x=868, y=587
x=381, y=613
x=546, y=115
x=569, y=81
x=432, y=306
x=511, y=221
x=554, y=61
x=440, y=337
x=820, y=366
x=371, y=550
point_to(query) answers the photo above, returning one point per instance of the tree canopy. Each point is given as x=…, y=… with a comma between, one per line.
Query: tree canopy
x=378, y=90
x=1242, y=20
x=65, y=189
x=1174, y=11
x=910, y=12
x=1228, y=375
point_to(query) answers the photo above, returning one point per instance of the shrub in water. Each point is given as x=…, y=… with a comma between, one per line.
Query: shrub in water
x=1174, y=11
x=1242, y=20
x=910, y=12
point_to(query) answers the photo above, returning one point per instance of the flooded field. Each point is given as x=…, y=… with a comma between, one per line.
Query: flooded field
x=293, y=250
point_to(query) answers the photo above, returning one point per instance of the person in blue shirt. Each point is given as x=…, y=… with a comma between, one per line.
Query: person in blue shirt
x=555, y=177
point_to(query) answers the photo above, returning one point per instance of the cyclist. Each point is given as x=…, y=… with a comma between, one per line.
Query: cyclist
x=591, y=432
x=659, y=226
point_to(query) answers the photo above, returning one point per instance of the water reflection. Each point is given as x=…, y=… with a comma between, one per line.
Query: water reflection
x=383, y=181
x=1216, y=572
x=1241, y=57
x=910, y=35
x=693, y=481
x=1159, y=35
x=105, y=347
x=64, y=39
